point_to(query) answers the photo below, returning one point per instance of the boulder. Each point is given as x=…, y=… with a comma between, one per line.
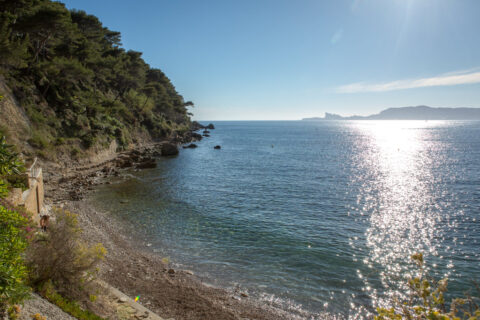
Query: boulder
x=210, y=126
x=190, y=146
x=217, y=147
x=169, y=149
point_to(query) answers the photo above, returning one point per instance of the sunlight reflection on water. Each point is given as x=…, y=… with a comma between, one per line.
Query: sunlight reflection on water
x=402, y=215
x=322, y=223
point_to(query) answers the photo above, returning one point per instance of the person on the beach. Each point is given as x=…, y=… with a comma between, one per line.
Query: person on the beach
x=44, y=222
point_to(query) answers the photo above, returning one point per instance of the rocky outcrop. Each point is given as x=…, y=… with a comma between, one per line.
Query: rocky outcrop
x=191, y=136
x=210, y=126
x=196, y=136
x=190, y=146
x=169, y=149
x=196, y=126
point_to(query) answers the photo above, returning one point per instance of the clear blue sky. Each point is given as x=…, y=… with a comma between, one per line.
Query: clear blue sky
x=288, y=59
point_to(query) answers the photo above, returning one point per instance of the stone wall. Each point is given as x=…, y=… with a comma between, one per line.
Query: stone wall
x=32, y=198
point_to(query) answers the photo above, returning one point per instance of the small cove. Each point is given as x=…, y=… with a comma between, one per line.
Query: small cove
x=314, y=216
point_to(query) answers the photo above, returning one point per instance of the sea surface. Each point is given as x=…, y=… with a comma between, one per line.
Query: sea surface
x=316, y=217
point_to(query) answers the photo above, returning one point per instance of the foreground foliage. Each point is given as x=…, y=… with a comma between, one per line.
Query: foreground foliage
x=70, y=307
x=427, y=301
x=78, y=86
x=10, y=166
x=62, y=258
x=13, y=272
x=13, y=237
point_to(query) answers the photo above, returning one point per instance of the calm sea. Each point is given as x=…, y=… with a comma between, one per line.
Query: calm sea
x=319, y=218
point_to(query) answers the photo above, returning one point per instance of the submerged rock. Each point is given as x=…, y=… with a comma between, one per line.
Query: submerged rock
x=190, y=146
x=217, y=147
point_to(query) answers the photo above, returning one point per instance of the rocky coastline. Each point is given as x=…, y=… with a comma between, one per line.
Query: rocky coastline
x=130, y=265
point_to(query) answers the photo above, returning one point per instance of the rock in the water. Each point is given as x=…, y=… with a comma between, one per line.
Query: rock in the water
x=169, y=149
x=210, y=126
x=206, y=135
x=206, y=131
x=190, y=146
x=217, y=147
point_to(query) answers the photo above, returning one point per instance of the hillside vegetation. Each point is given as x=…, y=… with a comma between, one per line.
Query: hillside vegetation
x=76, y=85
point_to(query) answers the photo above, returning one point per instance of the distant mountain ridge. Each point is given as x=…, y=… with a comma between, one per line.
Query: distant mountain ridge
x=412, y=113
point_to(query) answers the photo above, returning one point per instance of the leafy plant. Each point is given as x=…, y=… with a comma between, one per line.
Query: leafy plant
x=427, y=301
x=10, y=168
x=9, y=161
x=13, y=272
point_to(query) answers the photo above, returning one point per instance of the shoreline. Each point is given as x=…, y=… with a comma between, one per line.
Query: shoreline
x=132, y=268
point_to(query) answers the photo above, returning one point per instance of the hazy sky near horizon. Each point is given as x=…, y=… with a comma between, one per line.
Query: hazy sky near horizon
x=286, y=59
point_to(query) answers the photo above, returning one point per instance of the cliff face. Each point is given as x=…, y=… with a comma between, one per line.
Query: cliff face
x=14, y=123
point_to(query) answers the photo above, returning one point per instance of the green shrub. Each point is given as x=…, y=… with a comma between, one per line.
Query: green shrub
x=18, y=181
x=9, y=161
x=60, y=256
x=89, y=140
x=13, y=272
x=3, y=189
x=427, y=301
x=66, y=305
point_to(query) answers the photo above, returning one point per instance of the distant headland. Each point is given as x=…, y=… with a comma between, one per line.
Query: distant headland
x=412, y=113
